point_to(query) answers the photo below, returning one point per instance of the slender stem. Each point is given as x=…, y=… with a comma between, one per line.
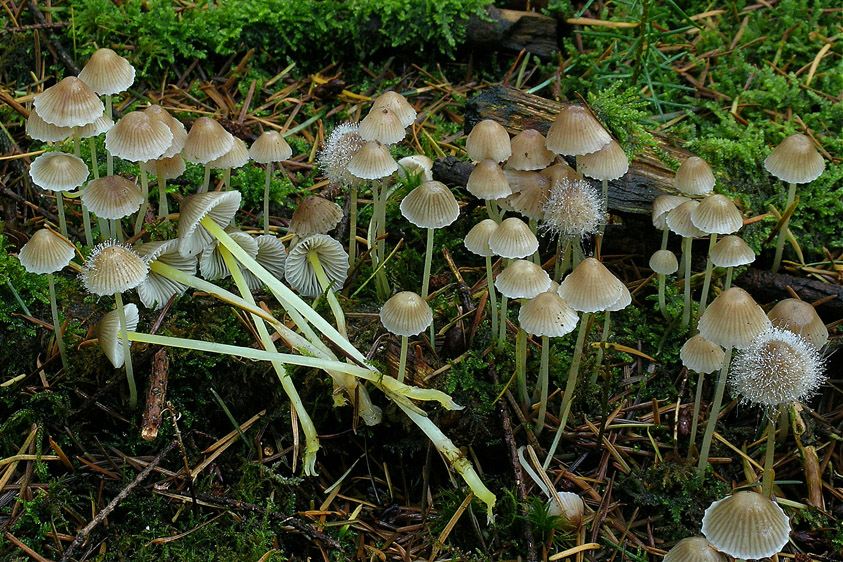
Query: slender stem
x=56, y=323
x=62, y=219
x=577, y=253
x=127, y=352
x=543, y=382
x=686, y=311
x=95, y=170
x=226, y=178
x=145, y=192
x=402, y=363
x=534, y=225
x=493, y=301
x=336, y=309
x=769, y=477
x=602, y=228
x=715, y=413
x=86, y=215
x=109, y=158
x=662, y=303
x=665, y=233
x=206, y=180
x=709, y=267
x=492, y=210
x=384, y=196
x=791, y=196
x=563, y=259
x=521, y=363
x=728, y=284
x=352, y=226
x=163, y=206
x=428, y=259
x=502, y=333
x=695, y=419
x=599, y=359
x=266, y=198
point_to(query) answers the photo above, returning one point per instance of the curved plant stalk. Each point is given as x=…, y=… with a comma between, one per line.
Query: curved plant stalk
x=709, y=268
x=502, y=333
x=127, y=352
x=428, y=260
x=695, y=420
x=715, y=412
x=791, y=196
x=601, y=348
x=145, y=192
x=56, y=323
x=686, y=256
x=95, y=171
x=333, y=302
x=493, y=301
x=60, y=211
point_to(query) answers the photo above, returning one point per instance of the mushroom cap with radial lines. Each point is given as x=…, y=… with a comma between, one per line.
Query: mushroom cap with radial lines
x=733, y=319
x=547, y=314
x=220, y=206
x=167, y=168
x=430, y=205
x=108, y=333
x=694, y=177
x=693, y=549
x=212, y=266
x=38, y=129
x=513, y=239
x=801, y=318
x=529, y=151
x=560, y=172
x=206, y=141
x=315, y=215
x=137, y=137
x=112, y=197
x=795, y=160
x=488, y=140
x=46, y=252
x=678, y=220
x=572, y=507
x=731, y=251
x=300, y=273
x=591, y=287
x=381, y=125
x=176, y=127
x=406, y=314
x=717, y=214
x=398, y=104
x=101, y=125
x=112, y=268
x=664, y=262
x=237, y=157
x=107, y=73
x=487, y=181
x=576, y=131
x=270, y=147
x=416, y=164
x=522, y=279
x=477, y=239
x=58, y=171
x=530, y=190
x=373, y=161
x=272, y=255
x=746, y=525
x=607, y=164
x=157, y=289
x=701, y=356
x=623, y=301
x=662, y=205
x=70, y=103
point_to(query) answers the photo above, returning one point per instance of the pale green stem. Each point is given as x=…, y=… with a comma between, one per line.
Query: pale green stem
x=709, y=268
x=502, y=333
x=695, y=420
x=62, y=219
x=543, y=382
x=105, y=229
x=769, y=477
x=665, y=233
x=728, y=283
x=127, y=352
x=116, y=230
x=791, y=196
x=95, y=170
x=428, y=260
x=686, y=255
x=534, y=224
x=715, y=413
x=493, y=301
x=109, y=158
x=86, y=215
x=145, y=193
x=382, y=220
x=662, y=303
x=402, y=363
x=333, y=302
x=521, y=363
x=600, y=352
x=226, y=178
x=563, y=258
x=206, y=183
x=56, y=325
x=577, y=254
x=492, y=210
x=163, y=206
x=266, y=198
x=352, y=226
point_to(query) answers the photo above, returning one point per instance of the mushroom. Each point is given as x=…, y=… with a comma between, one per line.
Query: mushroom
x=58, y=172
x=109, y=333
x=158, y=288
x=488, y=140
x=477, y=242
x=746, y=525
x=314, y=215
x=218, y=206
x=663, y=262
x=730, y=252
x=237, y=157
x=703, y=357
x=405, y=314
x=206, y=141
x=270, y=147
x=398, y=104
x=662, y=205
x=607, y=164
x=678, y=220
x=529, y=151
x=112, y=198
x=800, y=318
x=575, y=131
x=693, y=549
x=694, y=177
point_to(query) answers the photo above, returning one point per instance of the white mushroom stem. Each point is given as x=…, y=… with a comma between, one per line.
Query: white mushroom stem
x=543, y=382
x=127, y=352
x=402, y=362
x=109, y=158
x=791, y=196
x=715, y=412
x=695, y=419
x=502, y=333
x=768, y=479
x=600, y=350
x=86, y=215
x=206, y=180
x=145, y=193
x=326, y=285
x=95, y=170
x=521, y=362
x=428, y=260
x=352, y=226
x=662, y=303
x=56, y=323
x=709, y=268
x=62, y=219
x=686, y=255
x=532, y=473
x=602, y=228
x=493, y=301
x=728, y=282
x=226, y=178
x=163, y=206
x=266, y=198
x=665, y=233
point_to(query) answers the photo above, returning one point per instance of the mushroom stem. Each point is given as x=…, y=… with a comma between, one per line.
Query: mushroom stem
x=728, y=283
x=543, y=382
x=56, y=324
x=266, y=198
x=86, y=215
x=769, y=477
x=402, y=363
x=428, y=260
x=95, y=170
x=336, y=309
x=492, y=210
x=534, y=225
x=521, y=363
x=686, y=255
x=602, y=228
x=695, y=419
x=709, y=267
x=715, y=412
x=206, y=181
x=662, y=303
x=493, y=301
x=145, y=193
x=163, y=206
x=109, y=158
x=60, y=209
x=127, y=352
x=665, y=233
x=502, y=333
x=352, y=226
x=600, y=350
x=791, y=196
x=563, y=258
x=226, y=178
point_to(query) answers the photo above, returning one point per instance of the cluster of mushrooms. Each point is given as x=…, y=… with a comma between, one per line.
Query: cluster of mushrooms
x=778, y=359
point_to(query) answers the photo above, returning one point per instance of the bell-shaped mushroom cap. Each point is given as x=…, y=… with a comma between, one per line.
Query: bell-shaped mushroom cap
x=237, y=157
x=801, y=318
x=717, y=214
x=795, y=160
x=746, y=525
x=101, y=125
x=430, y=205
x=112, y=268
x=609, y=163
x=406, y=314
x=560, y=172
x=46, y=252
x=731, y=251
x=270, y=147
x=513, y=239
x=381, y=125
x=574, y=209
x=572, y=508
x=315, y=215
x=416, y=164
x=576, y=131
x=398, y=105
x=623, y=301
x=107, y=73
x=372, y=162
x=212, y=266
x=678, y=220
x=693, y=549
x=529, y=151
x=591, y=287
x=694, y=177
x=58, y=171
x=300, y=273
x=206, y=141
x=112, y=197
x=176, y=127
x=38, y=129
x=733, y=319
x=108, y=333
x=221, y=206
x=779, y=367
x=522, y=279
x=70, y=103
x=487, y=181
x=477, y=239
x=662, y=205
x=664, y=262
x=272, y=255
x=701, y=356
x=530, y=191
x=137, y=137
x=157, y=289
x=167, y=168
x=488, y=140
x=547, y=314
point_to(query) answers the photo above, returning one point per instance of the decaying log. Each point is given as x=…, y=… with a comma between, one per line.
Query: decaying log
x=766, y=286
x=514, y=30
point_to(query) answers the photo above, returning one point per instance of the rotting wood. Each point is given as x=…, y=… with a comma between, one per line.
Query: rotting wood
x=766, y=286
x=155, y=395
x=513, y=31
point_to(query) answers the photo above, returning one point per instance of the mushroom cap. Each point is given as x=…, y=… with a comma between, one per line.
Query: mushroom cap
x=694, y=177
x=381, y=125
x=270, y=147
x=237, y=157
x=733, y=319
x=112, y=197
x=430, y=205
x=398, y=105
x=664, y=262
x=406, y=314
x=522, y=279
x=70, y=103
x=315, y=215
x=701, y=356
x=112, y=268
x=572, y=507
x=157, y=289
x=800, y=318
x=176, y=127
x=607, y=164
x=415, y=164
x=576, y=131
x=678, y=220
x=108, y=333
x=530, y=191
x=547, y=314
x=795, y=160
x=107, y=73
x=206, y=141
x=46, y=252
x=373, y=161
x=662, y=205
x=623, y=301
x=477, y=239
x=101, y=125
x=560, y=171
x=746, y=525
x=513, y=239
x=731, y=251
x=272, y=254
x=300, y=273
x=693, y=549
x=529, y=151
x=340, y=147
x=717, y=214
x=574, y=209
x=488, y=140
x=221, y=206
x=779, y=367
x=137, y=137
x=212, y=266
x=487, y=181
x=167, y=168
x=591, y=287
x=58, y=171
x=38, y=129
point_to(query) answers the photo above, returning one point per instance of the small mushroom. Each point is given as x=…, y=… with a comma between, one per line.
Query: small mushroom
x=405, y=314
x=268, y=149
x=746, y=525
